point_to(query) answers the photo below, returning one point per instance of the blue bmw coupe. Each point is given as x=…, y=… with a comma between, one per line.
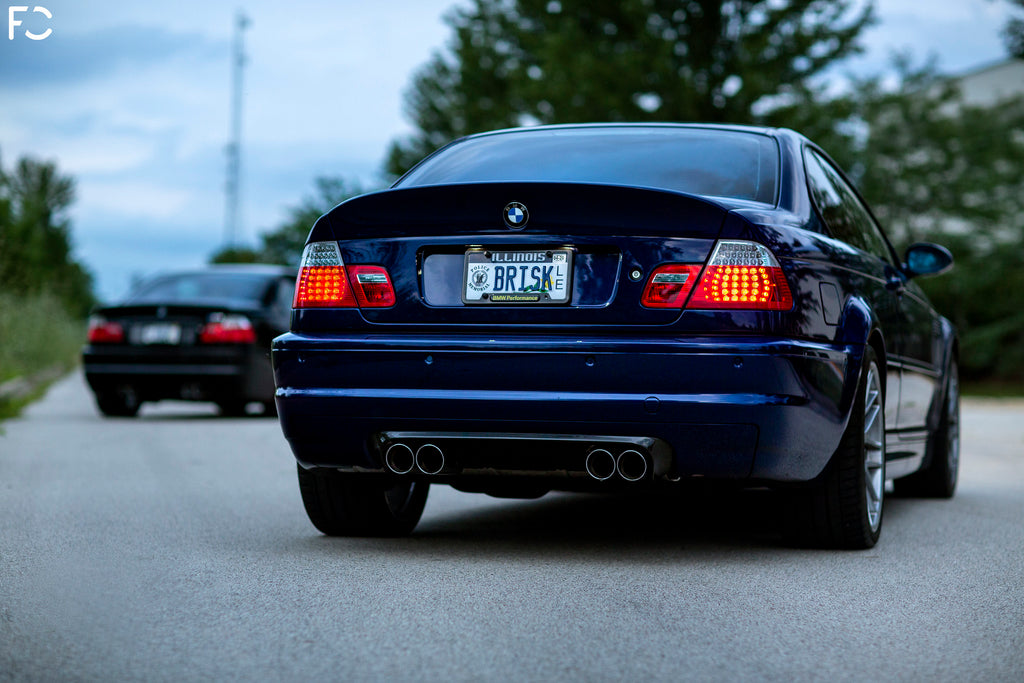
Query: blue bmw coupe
x=609, y=307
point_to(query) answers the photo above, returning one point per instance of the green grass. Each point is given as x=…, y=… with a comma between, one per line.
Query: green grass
x=36, y=334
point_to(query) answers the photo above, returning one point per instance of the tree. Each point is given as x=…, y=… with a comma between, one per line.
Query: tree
x=236, y=255
x=935, y=168
x=513, y=62
x=35, y=235
x=1013, y=32
x=284, y=244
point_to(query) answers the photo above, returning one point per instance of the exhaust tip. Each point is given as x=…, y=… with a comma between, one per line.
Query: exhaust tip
x=631, y=465
x=399, y=458
x=600, y=464
x=429, y=459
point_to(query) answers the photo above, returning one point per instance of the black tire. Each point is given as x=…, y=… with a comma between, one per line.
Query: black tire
x=843, y=507
x=120, y=403
x=938, y=478
x=344, y=504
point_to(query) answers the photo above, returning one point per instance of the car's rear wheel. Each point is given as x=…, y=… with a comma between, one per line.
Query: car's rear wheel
x=344, y=504
x=843, y=508
x=938, y=478
x=122, y=402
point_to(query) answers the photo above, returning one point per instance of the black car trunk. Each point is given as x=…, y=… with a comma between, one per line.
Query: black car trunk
x=158, y=325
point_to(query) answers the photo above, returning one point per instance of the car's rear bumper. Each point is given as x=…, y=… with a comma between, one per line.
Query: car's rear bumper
x=735, y=408
x=210, y=373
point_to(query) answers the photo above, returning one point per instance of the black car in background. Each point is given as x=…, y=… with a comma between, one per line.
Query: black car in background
x=201, y=335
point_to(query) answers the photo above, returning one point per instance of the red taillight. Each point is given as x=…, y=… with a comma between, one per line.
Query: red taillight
x=227, y=329
x=372, y=286
x=669, y=285
x=325, y=282
x=742, y=275
x=101, y=331
x=322, y=282
x=323, y=287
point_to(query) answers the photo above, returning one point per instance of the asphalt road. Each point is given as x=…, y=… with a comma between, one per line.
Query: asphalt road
x=174, y=547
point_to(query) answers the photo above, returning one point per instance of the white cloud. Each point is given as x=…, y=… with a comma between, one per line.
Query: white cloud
x=129, y=199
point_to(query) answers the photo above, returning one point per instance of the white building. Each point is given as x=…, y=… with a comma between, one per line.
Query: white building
x=989, y=84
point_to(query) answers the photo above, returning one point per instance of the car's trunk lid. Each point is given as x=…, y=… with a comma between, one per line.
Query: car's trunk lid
x=612, y=237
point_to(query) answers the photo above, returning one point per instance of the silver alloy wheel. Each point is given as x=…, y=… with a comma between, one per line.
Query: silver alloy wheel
x=953, y=423
x=874, y=448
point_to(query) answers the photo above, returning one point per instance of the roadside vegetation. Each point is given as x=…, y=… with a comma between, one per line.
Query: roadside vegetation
x=45, y=294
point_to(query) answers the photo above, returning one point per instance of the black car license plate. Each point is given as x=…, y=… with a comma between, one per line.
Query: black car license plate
x=517, y=277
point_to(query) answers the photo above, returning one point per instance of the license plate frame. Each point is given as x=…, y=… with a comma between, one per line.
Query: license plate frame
x=167, y=334
x=524, y=276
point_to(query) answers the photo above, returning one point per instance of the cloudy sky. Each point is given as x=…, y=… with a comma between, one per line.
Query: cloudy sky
x=132, y=99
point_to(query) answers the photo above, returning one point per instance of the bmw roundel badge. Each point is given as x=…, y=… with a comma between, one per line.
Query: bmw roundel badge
x=516, y=215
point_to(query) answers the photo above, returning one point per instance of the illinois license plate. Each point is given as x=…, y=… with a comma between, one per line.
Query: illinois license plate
x=517, y=277
x=160, y=333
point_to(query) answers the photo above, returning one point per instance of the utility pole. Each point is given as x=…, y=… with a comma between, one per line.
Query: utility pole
x=232, y=213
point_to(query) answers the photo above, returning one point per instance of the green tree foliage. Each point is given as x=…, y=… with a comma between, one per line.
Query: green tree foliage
x=236, y=255
x=35, y=236
x=513, y=62
x=284, y=243
x=1013, y=32
x=936, y=168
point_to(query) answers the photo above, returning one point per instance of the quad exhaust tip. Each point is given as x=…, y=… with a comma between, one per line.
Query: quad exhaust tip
x=429, y=459
x=399, y=458
x=600, y=464
x=631, y=465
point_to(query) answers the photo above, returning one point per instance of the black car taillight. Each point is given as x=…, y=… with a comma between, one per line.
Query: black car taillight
x=102, y=331
x=227, y=329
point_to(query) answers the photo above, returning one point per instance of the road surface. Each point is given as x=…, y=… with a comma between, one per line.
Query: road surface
x=174, y=547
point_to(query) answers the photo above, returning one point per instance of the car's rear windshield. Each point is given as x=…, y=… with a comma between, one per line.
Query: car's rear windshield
x=193, y=287
x=708, y=162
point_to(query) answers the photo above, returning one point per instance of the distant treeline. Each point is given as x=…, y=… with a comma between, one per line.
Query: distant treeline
x=35, y=237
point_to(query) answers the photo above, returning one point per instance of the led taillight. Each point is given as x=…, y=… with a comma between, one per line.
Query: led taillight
x=322, y=282
x=372, y=286
x=669, y=285
x=102, y=331
x=227, y=329
x=742, y=275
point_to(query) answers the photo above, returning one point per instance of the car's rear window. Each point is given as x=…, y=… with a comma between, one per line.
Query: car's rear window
x=200, y=286
x=714, y=163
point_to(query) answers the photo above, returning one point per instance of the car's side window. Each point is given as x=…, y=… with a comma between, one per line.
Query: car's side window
x=841, y=208
x=282, y=306
x=285, y=293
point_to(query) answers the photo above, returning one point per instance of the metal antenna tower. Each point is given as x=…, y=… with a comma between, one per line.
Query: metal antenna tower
x=232, y=213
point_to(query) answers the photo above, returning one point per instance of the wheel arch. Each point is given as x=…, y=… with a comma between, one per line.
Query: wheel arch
x=861, y=328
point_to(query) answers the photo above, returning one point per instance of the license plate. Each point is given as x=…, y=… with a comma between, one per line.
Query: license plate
x=517, y=277
x=160, y=333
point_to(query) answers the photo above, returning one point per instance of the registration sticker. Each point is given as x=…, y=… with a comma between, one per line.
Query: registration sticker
x=517, y=277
